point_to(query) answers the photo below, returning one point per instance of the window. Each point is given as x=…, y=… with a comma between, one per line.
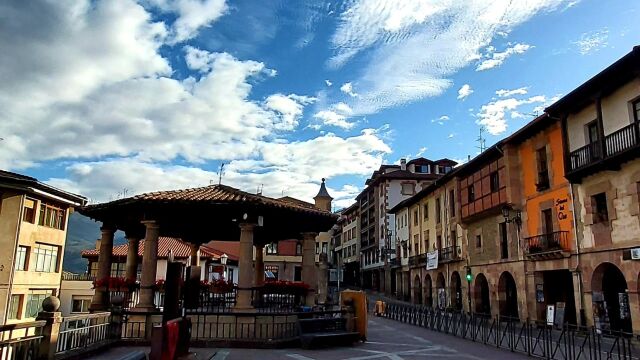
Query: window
x=22, y=258
x=471, y=193
x=34, y=302
x=416, y=246
x=15, y=307
x=80, y=305
x=478, y=241
x=415, y=218
x=438, y=211
x=298, y=248
x=118, y=269
x=494, y=181
x=504, y=241
x=592, y=132
x=297, y=273
x=324, y=247
x=543, y=169
x=273, y=269
x=425, y=240
x=29, y=211
x=46, y=257
x=636, y=110
x=422, y=169
x=452, y=203
x=272, y=248
x=353, y=249
x=52, y=216
x=439, y=241
x=93, y=268
x=425, y=210
x=599, y=205
x=408, y=188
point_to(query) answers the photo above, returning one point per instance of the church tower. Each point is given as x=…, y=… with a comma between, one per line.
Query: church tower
x=323, y=199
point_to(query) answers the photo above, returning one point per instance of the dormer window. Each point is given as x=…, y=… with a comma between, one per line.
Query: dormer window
x=422, y=169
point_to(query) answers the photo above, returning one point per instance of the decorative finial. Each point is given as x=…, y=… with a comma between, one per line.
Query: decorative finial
x=322, y=179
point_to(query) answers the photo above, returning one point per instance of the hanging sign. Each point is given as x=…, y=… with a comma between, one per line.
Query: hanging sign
x=432, y=260
x=551, y=312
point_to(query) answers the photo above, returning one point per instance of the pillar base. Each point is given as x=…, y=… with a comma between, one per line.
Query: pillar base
x=143, y=309
x=243, y=309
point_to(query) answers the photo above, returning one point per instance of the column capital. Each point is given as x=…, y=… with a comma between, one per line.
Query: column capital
x=131, y=237
x=309, y=235
x=106, y=228
x=150, y=223
x=247, y=226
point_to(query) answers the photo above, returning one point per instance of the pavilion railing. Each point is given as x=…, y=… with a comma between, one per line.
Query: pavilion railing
x=79, y=333
x=20, y=341
x=531, y=338
x=265, y=300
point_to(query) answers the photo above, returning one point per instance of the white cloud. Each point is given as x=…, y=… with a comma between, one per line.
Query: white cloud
x=347, y=88
x=289, y=106
x=494, y=59
x=593, y=41
x=421, y=151
x=441, y=120
x=191, y=15
x=493, y=116
x=451, y=136
x=464, y=91
x=414, y=46
x=329, y=83
x=507, y=93
x=337, y=115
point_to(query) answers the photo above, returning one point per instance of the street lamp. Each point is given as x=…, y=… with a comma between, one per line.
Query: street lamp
x=469, y=279
x=517, y=218
x=223, y=260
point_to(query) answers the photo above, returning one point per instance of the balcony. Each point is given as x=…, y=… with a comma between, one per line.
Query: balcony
x=418, y=260
x=449, y=254
x=551, y=245
x=616, y=144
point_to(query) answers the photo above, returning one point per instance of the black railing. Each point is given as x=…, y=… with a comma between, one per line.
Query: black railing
x=20, y=341
x=615, y=143
x=267, y=301
x=418, y=260
x=526, y=337
x=78, y=277
x=81, y=332
x=557, y=240
x=449, y=253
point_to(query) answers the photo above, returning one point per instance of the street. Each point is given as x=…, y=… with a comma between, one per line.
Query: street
x=387, y=339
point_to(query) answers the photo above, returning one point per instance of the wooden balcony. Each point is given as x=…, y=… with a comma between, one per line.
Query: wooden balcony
x=552, y=245
x=618, y=146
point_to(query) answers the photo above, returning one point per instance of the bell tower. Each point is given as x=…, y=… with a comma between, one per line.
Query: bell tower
x=323, y=199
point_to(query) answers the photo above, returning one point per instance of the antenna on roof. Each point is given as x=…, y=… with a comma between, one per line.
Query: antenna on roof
x=260, y=188
x=220, y=174
x=481, y=140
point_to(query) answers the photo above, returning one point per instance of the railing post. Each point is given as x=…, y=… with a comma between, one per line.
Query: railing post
x=51, y=329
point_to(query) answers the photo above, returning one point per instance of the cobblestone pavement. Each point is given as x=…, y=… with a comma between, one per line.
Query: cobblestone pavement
x=387, y=339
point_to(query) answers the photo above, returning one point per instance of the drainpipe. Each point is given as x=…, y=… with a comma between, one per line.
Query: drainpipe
x=15, y=253
x=577, y=269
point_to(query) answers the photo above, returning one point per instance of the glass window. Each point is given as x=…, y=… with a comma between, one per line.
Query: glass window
x=29, y=211
x=272, y=249
x=478, y=241
x=15, y=305
x=495, y=181
x=34, y=302
x=117, y=269
x=46, y=257
x=298, y=248
x=415, y=217
x=504, y=241
x=21, y=258
x=543, y=170
x=93, y=268
x=425, y=210
x=438, y=211
x=600, y=211
x=471, y=193
x=80, y=305
x=52, y=216
x=636, y=110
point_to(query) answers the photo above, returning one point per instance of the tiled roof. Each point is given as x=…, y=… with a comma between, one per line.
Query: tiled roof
x=180, y=249
x=214, y=194
x=29, y=183
x=231, y=248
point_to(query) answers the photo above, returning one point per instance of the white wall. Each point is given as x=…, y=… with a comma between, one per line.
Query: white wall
x=70, y=289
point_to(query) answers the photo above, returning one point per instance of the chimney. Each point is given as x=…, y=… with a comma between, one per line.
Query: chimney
x=403, y=164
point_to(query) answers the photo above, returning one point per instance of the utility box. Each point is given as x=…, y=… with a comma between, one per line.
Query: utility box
x=358, y=301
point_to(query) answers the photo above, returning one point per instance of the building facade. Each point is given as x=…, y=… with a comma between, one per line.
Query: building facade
x=33, y=229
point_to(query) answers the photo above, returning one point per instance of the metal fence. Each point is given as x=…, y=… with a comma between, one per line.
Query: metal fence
x=530, y=338
x=85, y=331
x=20, y=341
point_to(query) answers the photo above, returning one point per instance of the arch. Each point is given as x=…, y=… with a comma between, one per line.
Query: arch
x=428, y=299
x=456, y=291
x=609, y=292
x=481, y=295
x=507, y=295
x=417, y=290
x=441, y=293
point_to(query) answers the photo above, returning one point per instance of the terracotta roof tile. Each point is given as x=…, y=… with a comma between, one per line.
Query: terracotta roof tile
x=180, y=249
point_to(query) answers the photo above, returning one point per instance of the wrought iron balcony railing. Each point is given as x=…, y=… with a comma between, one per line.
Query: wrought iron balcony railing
x=615, y=144
x=555, y=241
x=449, y=254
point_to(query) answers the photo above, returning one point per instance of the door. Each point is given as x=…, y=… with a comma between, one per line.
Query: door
x=547, y=219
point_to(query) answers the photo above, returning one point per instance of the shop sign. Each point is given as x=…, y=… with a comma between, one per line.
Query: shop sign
x=432, y=260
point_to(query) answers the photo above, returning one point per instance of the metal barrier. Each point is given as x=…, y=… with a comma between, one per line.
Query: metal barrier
x=20, y=341
x=85, y=331
x=530, y=338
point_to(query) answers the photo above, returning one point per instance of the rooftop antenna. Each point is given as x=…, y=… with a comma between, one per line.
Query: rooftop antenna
x=220, y=174
x=260, y=188
x=481, y=140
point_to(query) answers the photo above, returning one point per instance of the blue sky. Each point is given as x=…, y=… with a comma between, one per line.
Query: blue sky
x=114, y=98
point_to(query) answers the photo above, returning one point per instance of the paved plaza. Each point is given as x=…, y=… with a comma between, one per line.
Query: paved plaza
x=388, y=339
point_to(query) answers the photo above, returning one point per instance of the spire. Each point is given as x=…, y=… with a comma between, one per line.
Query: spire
x=323, y=199
x=323, y=193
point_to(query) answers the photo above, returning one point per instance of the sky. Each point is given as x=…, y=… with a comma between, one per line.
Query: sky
x=113, y=98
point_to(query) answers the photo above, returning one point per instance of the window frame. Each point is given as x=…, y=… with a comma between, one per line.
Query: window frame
x=83, y=301
x=635, y=108
x=45, y=251
x=425, y=210
x=600, y=208
x=494, y=182
x=471, y=194
x=542, y=163
x=438, y=211
x=22, y=261
x=29, y=217
x=52, y=216
x=18, y=307
x=271, y=249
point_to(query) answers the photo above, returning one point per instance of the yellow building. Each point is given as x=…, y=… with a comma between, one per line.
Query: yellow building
x=33, y=230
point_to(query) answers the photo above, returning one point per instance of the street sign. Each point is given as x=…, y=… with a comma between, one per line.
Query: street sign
x=432, y=260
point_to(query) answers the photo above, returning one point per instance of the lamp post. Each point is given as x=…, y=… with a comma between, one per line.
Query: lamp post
x=516, y=219
x=223, y=260
x=469, y=279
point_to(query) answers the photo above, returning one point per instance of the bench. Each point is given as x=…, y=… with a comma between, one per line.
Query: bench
x=325, y=331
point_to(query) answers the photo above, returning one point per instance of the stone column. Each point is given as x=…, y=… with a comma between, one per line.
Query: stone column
x=323, y=279
x=309, y=266
x=149, y=266
x=51, y=329
x=245, y=275
x=132, y=258
x=195, y=254
x=100, y=299
x=259, y=266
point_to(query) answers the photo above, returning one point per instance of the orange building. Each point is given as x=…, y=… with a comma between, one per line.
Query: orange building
x=547, y=232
